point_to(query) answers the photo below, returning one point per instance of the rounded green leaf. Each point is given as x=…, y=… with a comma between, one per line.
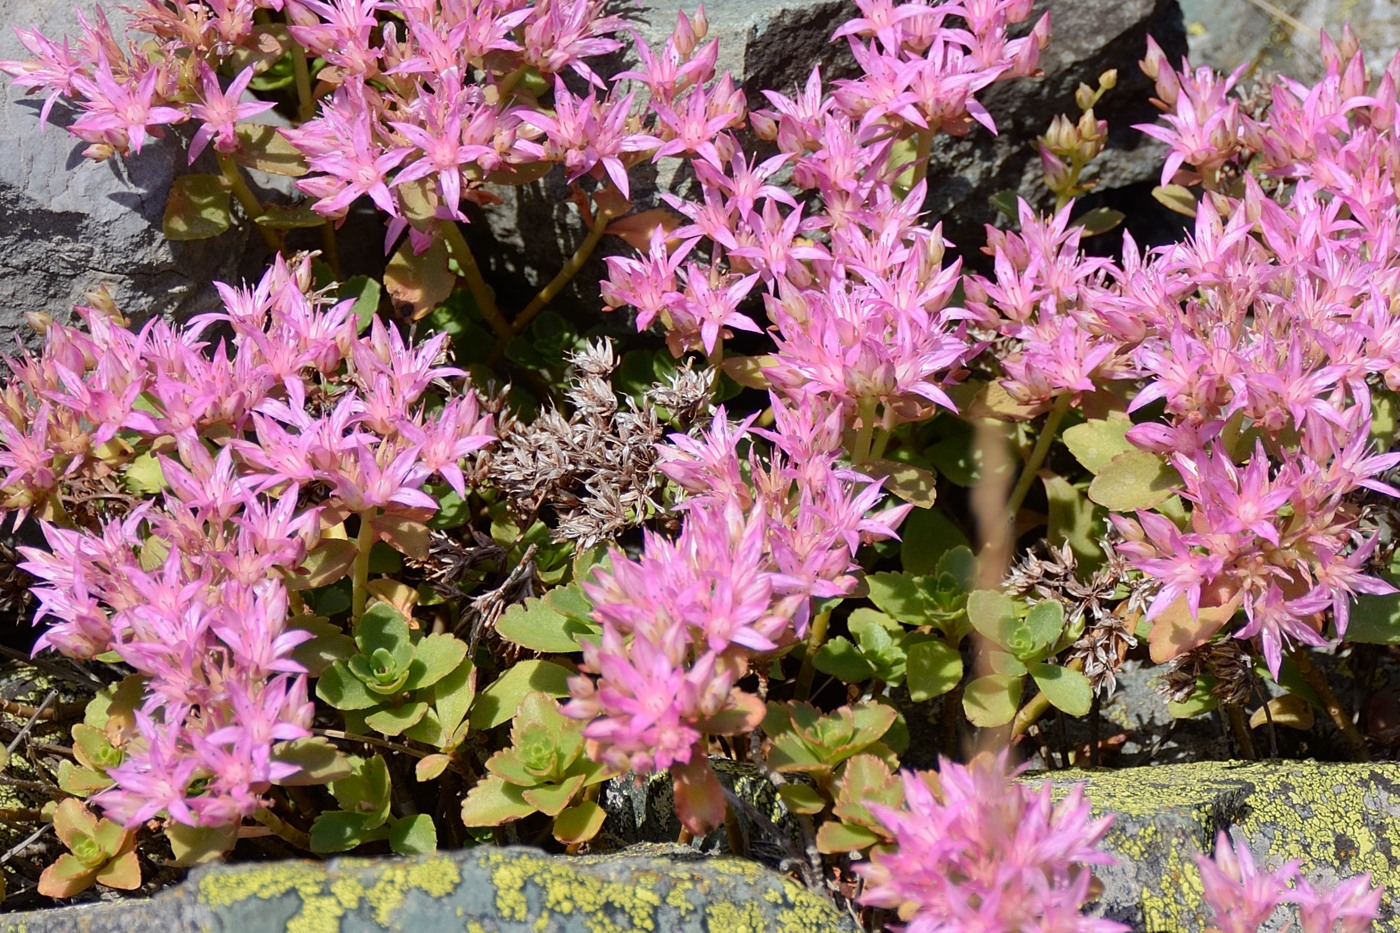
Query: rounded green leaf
x=413, y=835
x=992, y=613
x=433, y=659
x=343, y=690
x=1097, y=441
x=197, y=209
x=1065, y=688
x=992, y=700
x=498, y=702
x=534, y=625
x=932, y=669
x=1134, y=479
x=840, y=658
x=579, y=823
x=492, y=802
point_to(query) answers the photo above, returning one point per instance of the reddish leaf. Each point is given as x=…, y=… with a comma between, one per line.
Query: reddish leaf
x=419, y=281
x=1175, y=632
x=699, y=796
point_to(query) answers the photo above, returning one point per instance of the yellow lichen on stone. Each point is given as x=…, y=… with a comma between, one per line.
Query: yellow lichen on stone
x=226, y=888
x=435, y=877
x=564, y=890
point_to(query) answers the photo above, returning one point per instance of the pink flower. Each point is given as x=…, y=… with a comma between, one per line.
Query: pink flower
x=1241, y=896
x=121, y=113
x=220, y=110
x=986, y=853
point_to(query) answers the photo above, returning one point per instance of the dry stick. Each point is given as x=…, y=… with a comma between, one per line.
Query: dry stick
x=33, y=718
x=17, y=849
x=1314, y=678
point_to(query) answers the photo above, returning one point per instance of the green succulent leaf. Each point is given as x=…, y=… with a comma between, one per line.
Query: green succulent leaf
x=1132, y=480
x=197, y=208
x=393, y=720
x=992, y=700
x=498, y=702
x=433, y=659
x=1097, y=441
x=992, y=613
x=413, y=835
x=343, y=690
x=536, y=624
x=840, y=658
x=579, y=823
x=493, y=802
x=366, y=792
x=339, y=831
x=1065, y=688
x=932, y=669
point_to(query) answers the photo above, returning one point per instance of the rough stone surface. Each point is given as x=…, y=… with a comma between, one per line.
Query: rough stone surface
x=1338, y=820
x=72, y=224
x=1087, y=37
x=1226, y=35
x=658, y=889
x=774, y=44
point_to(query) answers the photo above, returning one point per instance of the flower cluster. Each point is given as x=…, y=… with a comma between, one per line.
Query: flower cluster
x=976, y=850
x=681, y=623
x=1266, y=336
x=249, y=453
x=1244, y=898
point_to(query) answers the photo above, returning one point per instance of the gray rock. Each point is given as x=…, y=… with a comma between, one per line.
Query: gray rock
x=1087, y=37
x=73, y=224
x=1226, y=35
x=1338, y=820
x=774, y=44
x=513, y=890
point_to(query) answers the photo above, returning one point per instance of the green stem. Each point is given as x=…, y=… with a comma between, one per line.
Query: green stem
x=282, y=829
x=556, y=284
x=359, y=582
x=815, y=639
x=330, y=249
x=481, y=292
x=866, y=412
x=301, y=72
x=882, y=440
x=249, y=201
x=1356, y=743
x=1240, y=729
x=1038, y=455
x=508, y=83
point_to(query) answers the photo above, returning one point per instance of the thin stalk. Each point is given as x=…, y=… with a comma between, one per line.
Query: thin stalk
x=1314, y=678
x=330, y=248
x=249, y=201
x=301, y=73
x=861, y=451
x=481, y=292
x=1234, y=715
x=882, y=440
x=359, y=582
x=282, y=829
x=556, y=285
x=1037, y=457
x=815, y=639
